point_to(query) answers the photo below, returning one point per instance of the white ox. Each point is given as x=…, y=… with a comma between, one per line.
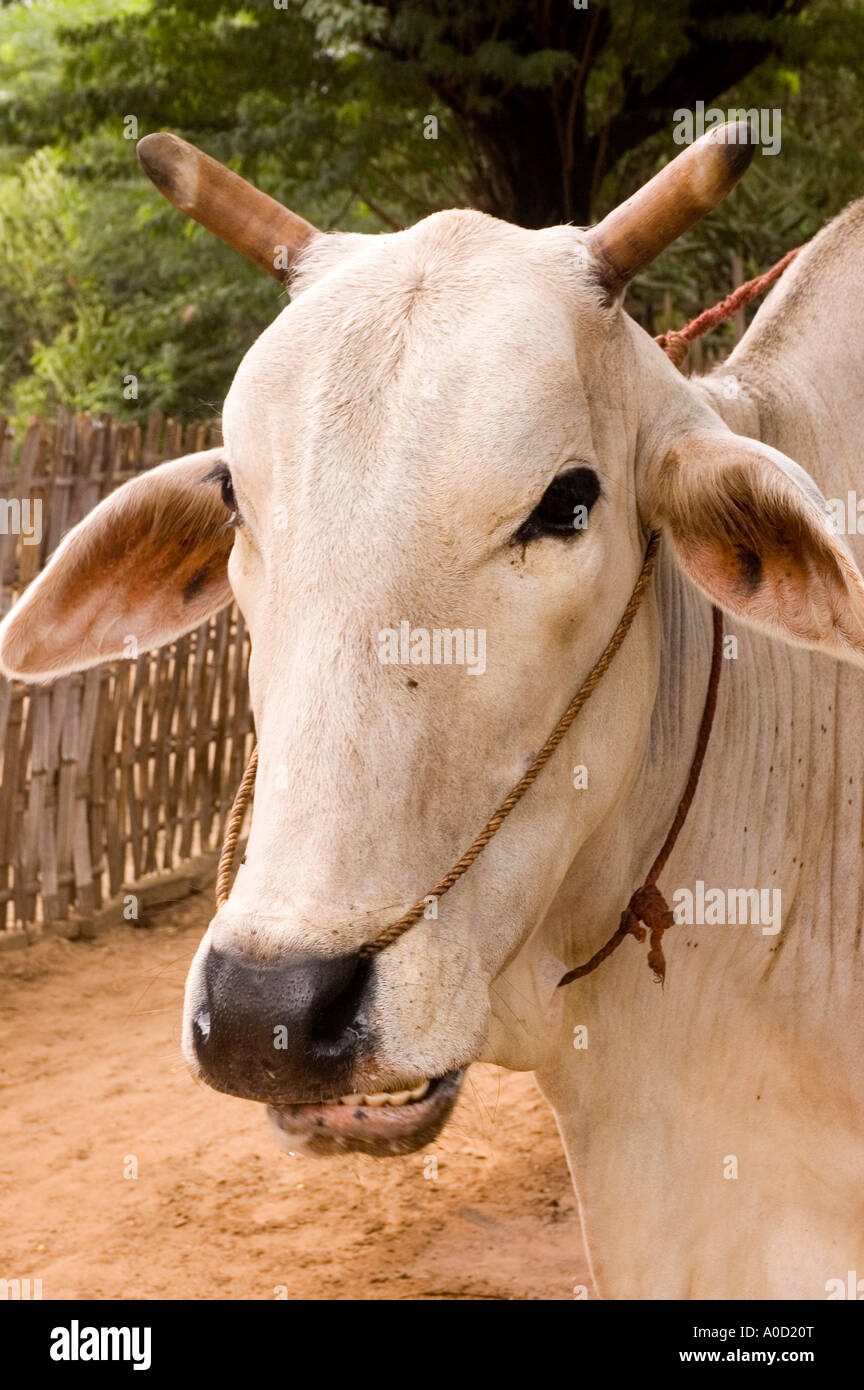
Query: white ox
x=390, y=442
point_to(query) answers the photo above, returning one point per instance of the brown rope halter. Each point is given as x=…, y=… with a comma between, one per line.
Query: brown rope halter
x=647, y=909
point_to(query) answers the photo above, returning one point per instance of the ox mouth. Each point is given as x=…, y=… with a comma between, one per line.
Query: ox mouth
x=383, y=1124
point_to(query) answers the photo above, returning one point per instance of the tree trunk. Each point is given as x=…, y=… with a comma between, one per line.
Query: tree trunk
x=528, y=179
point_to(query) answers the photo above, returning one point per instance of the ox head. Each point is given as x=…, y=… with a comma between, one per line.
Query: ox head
x=440, y=465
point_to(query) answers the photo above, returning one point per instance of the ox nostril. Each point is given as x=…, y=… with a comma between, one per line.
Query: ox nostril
x=279, y=1029
x=339, y=1010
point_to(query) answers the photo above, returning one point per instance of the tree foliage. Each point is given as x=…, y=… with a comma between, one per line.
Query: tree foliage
x=366, y=114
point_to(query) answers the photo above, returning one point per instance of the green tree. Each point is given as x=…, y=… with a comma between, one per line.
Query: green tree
x=536, y=100
x=366, y=114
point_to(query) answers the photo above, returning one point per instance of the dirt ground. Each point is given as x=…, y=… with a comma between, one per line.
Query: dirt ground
x=93, y=1089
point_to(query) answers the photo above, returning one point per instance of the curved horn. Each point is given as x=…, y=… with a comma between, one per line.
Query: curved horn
x=221, y=201
x=634, y=233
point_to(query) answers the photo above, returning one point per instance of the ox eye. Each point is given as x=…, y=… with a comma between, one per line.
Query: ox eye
x=564, y=507
x=221, y=474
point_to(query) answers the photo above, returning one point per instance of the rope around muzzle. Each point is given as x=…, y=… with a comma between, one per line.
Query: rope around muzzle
x=232, y=830
x=647, y=910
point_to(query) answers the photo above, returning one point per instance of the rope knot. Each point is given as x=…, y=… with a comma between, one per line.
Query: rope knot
x=648, y=905
x=675, y=346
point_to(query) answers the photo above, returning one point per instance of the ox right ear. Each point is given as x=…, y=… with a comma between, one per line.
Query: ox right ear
x=753, y=531
x=148, y=564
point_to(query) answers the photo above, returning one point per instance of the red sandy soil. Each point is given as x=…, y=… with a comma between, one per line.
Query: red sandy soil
x=93, y=1083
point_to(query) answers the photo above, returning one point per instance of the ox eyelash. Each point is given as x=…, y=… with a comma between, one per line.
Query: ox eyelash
x=220, y=473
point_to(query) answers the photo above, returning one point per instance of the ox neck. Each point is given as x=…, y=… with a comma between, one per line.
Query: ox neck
x=748, y=1035
x=761, y=755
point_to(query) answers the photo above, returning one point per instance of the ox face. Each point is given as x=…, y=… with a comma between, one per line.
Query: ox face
x=424, y=458
x=453, y=430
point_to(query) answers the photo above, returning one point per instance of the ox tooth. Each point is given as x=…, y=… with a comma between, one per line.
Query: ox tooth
x=387, y=1097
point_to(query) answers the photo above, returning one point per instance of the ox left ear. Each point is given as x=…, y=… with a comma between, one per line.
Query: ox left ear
x=148, y=564
x=753, y=531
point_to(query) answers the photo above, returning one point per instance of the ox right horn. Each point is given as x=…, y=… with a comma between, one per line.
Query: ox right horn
x=635, y=232
x=250, y=221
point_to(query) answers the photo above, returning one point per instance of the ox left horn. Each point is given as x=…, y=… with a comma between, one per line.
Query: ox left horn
x=691, y=185
x=249, y=220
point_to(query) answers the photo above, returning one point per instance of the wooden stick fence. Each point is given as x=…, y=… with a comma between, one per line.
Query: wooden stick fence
x=119, y=776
